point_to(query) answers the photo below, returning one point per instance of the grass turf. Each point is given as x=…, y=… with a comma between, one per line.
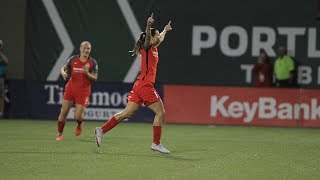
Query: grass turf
x=28, y=150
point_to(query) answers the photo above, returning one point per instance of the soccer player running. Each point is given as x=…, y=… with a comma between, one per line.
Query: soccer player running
x=82, y=69
x=143, y=90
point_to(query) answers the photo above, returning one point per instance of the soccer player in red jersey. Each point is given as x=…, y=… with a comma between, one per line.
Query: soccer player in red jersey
x=82, y=69
x=143, y=91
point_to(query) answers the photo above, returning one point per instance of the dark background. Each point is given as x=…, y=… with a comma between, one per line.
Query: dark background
x=33, y=45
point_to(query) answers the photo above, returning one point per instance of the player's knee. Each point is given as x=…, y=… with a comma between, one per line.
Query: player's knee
x=63, y=114
x=161, y=113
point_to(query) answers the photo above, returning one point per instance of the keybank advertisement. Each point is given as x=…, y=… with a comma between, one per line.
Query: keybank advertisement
x=242, y=106
x=42, y=100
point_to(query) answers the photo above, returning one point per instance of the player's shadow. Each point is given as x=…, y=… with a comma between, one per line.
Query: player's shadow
x=172, y=156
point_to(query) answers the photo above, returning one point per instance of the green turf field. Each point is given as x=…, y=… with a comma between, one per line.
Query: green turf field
x=29, y=151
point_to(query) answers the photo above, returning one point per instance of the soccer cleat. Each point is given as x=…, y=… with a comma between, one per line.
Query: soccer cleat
x=59, y=137
x=99, y=136
x=160, y=148
x=79, y=129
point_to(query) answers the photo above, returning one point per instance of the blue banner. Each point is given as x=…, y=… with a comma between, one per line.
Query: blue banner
x=42, y=100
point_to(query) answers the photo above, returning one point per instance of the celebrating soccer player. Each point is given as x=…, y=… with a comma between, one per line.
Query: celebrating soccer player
x=82, y=69
x=143, y=90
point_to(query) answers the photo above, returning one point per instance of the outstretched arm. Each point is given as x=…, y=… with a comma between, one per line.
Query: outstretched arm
x=148, y=31
x=164, y=32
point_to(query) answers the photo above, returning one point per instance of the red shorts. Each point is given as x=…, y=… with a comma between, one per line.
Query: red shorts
x=77, y=98
x=143, y=93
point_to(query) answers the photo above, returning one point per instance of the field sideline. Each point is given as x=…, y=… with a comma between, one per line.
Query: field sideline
x=29, y=151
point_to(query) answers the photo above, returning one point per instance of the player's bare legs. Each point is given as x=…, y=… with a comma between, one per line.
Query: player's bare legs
x=131, y=108
x=158, y=109
x=78, y=116
x=65, y=108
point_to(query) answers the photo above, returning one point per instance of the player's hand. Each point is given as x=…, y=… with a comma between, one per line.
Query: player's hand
x=64, y=75
x=86, y=70
x=168, y=27
x=150, y=20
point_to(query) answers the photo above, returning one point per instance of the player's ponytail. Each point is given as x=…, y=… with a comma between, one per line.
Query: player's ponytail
x=138, y=45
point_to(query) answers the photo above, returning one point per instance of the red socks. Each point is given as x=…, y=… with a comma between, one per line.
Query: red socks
x=61, y=126
x=111, y=123
x=157, y=134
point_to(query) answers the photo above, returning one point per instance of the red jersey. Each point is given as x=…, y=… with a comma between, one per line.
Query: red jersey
x=262, y=74
x=149, y=62
x=78, y=81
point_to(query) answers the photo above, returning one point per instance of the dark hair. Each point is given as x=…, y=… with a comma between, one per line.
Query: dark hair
x=138, y=45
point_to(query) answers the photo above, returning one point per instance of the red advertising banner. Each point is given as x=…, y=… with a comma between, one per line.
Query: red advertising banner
x=310, y=108
x=242, y=106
